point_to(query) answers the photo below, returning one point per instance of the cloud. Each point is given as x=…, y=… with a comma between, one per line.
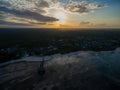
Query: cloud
x=28, y=14
x=82, y=7
x=65, y=26
x=40, y=23
x=101, y=25
x=13, y=23
x=84, y=22
x=42, y=3
x=25, y=9
x=40, y=11
x=4, y=3
x=92, y=24
x=95, y=6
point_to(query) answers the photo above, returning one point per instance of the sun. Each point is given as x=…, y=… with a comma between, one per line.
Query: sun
x=61, y=16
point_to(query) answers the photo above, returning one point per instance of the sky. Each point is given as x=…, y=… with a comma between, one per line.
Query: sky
x=60, y=13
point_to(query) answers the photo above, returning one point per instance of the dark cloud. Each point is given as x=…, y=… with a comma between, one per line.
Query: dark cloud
x=76, y=7
x=26, y=9
x=50, y=24
x=65, y=26
x=39, y=10
x=4, y=3
x=42, y=3
x=85, y=22
x=13, y=23
x=100, y=25
x=40, y=23
x=82, y=7
x=28, y=14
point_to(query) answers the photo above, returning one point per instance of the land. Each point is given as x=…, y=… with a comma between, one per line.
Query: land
x=17, y=43
x=74, y=59
x=82, y=70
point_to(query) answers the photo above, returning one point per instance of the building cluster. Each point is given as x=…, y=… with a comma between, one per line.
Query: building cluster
x=62, y=45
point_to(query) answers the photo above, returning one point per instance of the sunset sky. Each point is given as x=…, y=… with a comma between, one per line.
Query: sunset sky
x=60, y=13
